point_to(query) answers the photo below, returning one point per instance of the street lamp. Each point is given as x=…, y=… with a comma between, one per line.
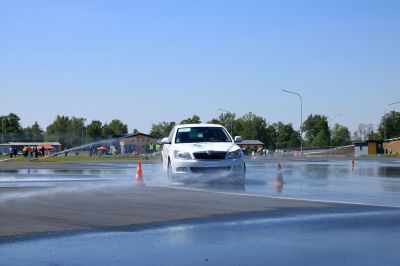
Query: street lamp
x=2, y=130
x=330, y=138
x=384, y=124
x=83, y=147
x=301, y=118
x=231, y=118
x=82, y=141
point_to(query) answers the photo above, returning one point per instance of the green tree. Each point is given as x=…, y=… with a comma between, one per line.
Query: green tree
x=228, y=120
x=251, y=126
x=321, y=140
x=392, y=123
x=59, y=131
x=94, y=130
x=286, y=136
x=70, y=132
x=375, y=135
x=161, y=129
x=34, y=133
x=106, y=131
x=340, y=135
x=115, y=128
x=317, y=131
x=77, y=133
x=11, y=127
x=194, y=120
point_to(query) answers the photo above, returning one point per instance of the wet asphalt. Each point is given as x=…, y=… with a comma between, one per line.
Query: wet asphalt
x=341, y=234
x=367, y=237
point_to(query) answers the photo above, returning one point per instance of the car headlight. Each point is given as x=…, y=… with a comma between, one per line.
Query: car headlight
x=235, y=154
x=182, y=155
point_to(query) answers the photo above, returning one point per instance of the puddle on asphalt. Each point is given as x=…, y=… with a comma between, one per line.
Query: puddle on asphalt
x=369, y=182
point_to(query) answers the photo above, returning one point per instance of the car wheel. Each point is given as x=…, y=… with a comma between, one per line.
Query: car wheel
x=169, y=170
x=242, y=177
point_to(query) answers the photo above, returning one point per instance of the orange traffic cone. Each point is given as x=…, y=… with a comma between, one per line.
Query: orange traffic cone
x=139, y=175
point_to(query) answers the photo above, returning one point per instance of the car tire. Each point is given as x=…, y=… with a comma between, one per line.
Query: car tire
x=242, y=177
x=169, y=170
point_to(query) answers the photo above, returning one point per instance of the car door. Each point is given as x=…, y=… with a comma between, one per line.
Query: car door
x=167, y=147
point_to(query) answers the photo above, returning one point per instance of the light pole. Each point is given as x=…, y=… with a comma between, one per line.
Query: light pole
x=2, y=130
x=330, y=137
x=384, y=123
x=82, y=142
x=231, y=119
x=301, y=118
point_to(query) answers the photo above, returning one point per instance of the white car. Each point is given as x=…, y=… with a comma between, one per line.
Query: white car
x=203, y=152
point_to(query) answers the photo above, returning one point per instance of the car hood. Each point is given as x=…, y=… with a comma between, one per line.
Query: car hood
x=207, y=146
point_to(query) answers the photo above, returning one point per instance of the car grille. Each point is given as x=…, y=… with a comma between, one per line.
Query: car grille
x=210, y=156
x=205, y=170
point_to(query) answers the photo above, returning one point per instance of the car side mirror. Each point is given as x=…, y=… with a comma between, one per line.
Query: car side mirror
x=238, y=139
x=165, y=141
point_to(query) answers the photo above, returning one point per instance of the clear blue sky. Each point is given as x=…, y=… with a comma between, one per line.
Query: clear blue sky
x=149, y=61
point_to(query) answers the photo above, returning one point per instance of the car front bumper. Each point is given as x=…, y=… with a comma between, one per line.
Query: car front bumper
x=208, y=169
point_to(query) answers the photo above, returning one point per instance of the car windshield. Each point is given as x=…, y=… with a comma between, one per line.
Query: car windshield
x=202, y=134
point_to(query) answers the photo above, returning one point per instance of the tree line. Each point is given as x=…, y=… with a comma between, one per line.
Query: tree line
x=69, y=131
x=317, y=132
x=74, y=131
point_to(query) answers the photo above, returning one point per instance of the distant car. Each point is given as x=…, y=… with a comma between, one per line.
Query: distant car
x=203, y=152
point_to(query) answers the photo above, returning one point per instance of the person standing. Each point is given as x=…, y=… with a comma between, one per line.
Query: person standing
x=25, y=151
x=36, y=151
